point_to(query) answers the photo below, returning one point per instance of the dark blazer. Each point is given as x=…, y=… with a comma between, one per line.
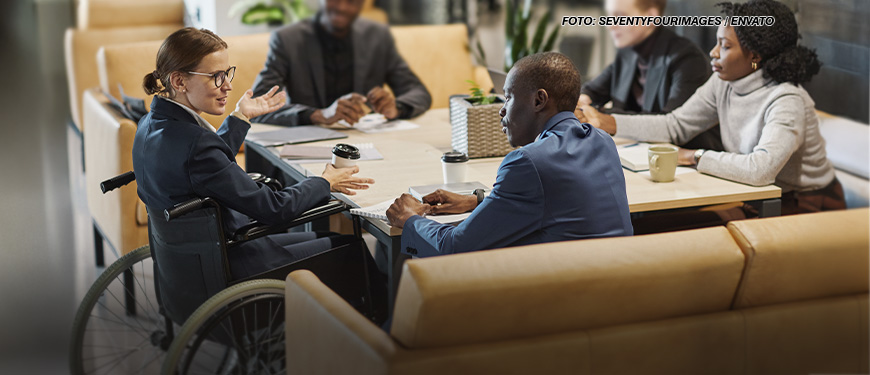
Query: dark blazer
x=176, y=160
x=295, y=63
x=566, y=185
x=676, y=69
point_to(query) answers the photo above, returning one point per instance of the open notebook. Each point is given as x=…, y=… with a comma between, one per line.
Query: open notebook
x=634, y=156
x=379, y=211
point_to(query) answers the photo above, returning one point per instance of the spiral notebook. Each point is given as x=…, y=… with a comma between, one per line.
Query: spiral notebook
x=379, y=211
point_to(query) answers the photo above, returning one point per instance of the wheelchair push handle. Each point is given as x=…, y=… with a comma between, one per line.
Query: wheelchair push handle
x=117, y=181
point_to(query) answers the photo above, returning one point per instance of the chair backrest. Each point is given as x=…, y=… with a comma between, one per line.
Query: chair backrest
x=80, y=51
x=560, y=287
x=189, y=259
x=126, y=64
x=125, y=13
x=803, y=257
x=439, y=55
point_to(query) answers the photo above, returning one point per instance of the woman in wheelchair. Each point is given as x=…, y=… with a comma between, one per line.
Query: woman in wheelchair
x=178, y=155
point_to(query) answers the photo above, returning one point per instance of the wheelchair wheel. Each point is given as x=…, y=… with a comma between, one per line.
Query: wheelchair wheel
x=238, y=331
x=118, y=327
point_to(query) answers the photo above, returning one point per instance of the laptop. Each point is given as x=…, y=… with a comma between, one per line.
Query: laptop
x=498, y=77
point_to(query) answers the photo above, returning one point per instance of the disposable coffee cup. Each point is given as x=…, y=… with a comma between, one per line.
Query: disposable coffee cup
x=662, y=162
x=453, y=166
x=344, y=155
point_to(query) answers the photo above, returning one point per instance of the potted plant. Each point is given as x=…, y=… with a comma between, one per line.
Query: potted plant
x=270, y=12
x=476, y=124
x=517, y=41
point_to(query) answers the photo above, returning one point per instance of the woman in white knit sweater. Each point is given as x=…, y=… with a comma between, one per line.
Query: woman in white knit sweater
x=768, y=122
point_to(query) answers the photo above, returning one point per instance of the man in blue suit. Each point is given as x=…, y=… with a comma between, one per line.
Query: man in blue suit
x=565, y=183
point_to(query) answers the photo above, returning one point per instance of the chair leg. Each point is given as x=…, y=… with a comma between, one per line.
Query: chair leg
x=129, y=293
x=98, y=247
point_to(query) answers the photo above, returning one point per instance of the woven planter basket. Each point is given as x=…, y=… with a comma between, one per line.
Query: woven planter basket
x=476, y=129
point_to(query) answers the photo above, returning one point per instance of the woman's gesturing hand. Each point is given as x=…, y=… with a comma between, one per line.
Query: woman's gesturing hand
x=252, y=107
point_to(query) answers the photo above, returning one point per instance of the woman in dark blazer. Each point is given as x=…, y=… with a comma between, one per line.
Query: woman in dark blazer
x=178, y=155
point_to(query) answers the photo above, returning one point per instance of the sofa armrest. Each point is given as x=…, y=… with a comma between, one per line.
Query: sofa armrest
x=108, y=152
x=325, y=335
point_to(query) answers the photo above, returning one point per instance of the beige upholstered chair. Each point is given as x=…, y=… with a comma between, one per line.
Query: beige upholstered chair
x=439, y=55
x=104, y=22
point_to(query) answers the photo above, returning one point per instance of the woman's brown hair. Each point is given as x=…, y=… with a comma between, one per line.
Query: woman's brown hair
x=182, y=51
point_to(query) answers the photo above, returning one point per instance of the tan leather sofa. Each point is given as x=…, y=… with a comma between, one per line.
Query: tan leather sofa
x=107, y=151
x=764, y=296
x=104, y=22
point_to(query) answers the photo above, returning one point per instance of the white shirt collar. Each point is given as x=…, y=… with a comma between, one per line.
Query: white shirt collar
x=199, y=120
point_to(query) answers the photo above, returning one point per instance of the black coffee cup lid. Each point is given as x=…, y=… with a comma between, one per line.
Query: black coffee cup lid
x=454, y=157
x=344, y=150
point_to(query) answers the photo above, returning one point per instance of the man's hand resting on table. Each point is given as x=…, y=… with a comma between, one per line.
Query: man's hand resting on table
x=446, y=202
x=403, y=208
x=350, y=108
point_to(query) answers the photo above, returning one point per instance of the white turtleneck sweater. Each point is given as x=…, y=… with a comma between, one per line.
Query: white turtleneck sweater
x=770, y=132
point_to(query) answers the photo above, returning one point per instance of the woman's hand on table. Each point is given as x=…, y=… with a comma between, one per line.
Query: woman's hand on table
x=269, y=102
x=446, y=202
x=599, y=120
x=341, y=180
x=403, y=208
x=685, y=156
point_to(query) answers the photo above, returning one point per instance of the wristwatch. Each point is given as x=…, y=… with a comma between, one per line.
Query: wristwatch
x=698, y=154
x=479, y=194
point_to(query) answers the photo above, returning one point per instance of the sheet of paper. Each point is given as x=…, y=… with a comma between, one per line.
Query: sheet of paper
x=377, y=123
x=679, y=171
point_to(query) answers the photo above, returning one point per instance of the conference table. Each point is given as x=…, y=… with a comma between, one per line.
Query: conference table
x=412, y=157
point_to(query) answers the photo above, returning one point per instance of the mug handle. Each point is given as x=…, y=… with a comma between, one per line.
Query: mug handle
x=654, y=162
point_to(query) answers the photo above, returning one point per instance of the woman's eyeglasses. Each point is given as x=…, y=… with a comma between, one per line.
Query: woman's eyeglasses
x=219, y=77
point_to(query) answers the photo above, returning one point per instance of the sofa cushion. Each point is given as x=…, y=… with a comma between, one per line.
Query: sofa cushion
x=803, y=257
x=847, y=144
x=564, y=286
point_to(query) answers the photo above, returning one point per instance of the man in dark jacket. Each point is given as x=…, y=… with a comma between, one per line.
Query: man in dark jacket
x=334, y=66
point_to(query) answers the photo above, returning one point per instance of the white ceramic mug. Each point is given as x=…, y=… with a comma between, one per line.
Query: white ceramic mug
x=662, y=162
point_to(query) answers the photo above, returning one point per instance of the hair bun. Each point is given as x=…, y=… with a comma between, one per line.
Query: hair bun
x=796, y=64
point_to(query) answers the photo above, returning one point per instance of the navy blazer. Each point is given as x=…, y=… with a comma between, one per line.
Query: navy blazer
x=176, y=160
x=566, y=185
x=295, y=63
x=676, y=69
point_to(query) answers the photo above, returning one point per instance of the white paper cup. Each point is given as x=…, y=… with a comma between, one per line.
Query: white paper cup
x=344, y=155
x=454, y=166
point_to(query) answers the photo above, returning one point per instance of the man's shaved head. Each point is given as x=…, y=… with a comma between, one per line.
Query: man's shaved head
x=553, y=72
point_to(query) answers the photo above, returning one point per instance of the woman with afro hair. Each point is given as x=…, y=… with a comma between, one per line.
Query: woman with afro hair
x=768, y=122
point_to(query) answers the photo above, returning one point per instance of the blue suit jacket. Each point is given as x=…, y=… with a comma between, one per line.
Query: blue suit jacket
x=566, y=185
x=176, y=160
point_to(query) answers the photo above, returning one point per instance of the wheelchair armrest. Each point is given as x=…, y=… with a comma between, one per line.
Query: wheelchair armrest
x=257, y=230
x=185, y=208
x=117, y=181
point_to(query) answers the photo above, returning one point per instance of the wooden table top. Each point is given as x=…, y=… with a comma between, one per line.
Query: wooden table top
x=413, y=157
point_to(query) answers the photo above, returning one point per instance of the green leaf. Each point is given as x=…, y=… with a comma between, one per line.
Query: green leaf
x=481, y=58
x=510, y=15
x=262, y=14
x=540, y=31
x=551, y=40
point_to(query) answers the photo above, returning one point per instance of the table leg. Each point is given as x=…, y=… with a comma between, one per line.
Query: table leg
x=391, y=248
x=768, y=207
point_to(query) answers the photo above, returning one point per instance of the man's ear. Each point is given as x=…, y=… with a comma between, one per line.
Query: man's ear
x=541, y=99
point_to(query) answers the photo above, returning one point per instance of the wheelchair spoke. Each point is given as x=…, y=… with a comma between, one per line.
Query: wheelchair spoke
x=144, y=289
x=121, y=358
x=144, y=293
x=157, y=354
x=128, y=325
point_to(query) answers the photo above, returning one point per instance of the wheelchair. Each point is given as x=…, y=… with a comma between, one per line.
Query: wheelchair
x=173, y=306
